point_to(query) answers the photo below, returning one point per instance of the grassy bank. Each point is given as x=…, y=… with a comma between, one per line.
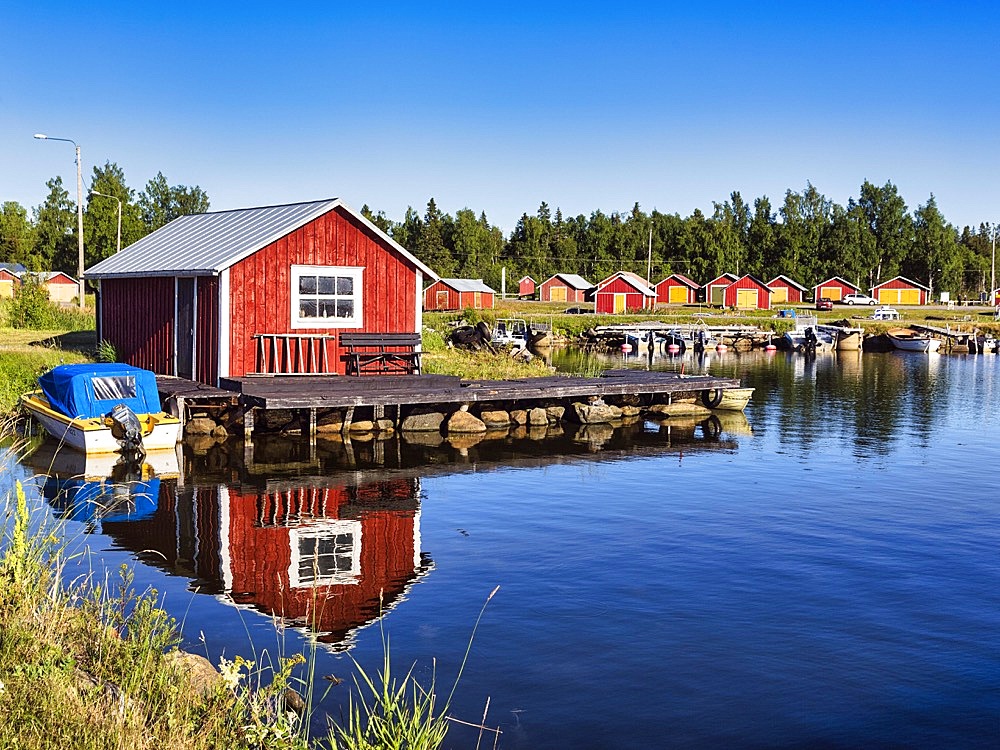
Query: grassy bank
x=26, y=354
x=93, y=664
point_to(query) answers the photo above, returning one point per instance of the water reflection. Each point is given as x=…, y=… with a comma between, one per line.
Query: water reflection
x=322, y=535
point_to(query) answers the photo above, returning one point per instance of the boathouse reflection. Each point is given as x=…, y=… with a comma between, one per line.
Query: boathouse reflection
x=322, y=534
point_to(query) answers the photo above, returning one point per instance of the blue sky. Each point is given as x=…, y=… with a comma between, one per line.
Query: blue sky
x=498, y=108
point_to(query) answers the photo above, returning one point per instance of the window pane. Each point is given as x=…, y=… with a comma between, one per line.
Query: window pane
x=114, y=386
x=345, y=308
x=307, y=308
x=345, y=285
x=307, y=285
x=327, y=308
x=327, y=284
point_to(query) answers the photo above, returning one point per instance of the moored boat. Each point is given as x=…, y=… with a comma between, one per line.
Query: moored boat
x=102, y=408
x=729, y=399
x=909, y=340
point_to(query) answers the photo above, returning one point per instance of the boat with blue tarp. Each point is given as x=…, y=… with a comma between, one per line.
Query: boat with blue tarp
x=102, y=408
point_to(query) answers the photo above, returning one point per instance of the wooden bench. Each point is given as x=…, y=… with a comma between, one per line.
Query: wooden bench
x=381, y=353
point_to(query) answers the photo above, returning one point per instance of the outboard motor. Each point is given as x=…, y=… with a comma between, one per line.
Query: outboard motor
x=127, y=430
x=810, y=341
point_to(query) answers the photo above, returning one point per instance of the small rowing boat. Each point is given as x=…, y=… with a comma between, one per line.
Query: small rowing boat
x=909, y=340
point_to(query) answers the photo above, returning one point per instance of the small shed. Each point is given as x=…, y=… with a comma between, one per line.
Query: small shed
x=677, y=289
x=564, y=287
x=715, y=290
x=900, y=291
x=623, y=292
x=526, y=287
x=996, y=297
x=786, y=290
x=62, y=288
x=748, y=293
x=10, y=277
x=253, y=290
x=834, y=289
x=458, y=294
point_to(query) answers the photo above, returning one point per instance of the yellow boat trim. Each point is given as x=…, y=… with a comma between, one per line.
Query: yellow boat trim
x=37, y=400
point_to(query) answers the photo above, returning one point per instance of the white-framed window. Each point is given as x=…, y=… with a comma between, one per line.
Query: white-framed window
x=325, y=553
x=327, y=296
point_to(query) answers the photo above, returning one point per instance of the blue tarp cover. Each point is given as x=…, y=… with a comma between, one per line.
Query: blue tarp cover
x=92, y=390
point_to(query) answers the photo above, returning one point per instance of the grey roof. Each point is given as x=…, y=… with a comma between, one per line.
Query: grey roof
x=577, y=282
x=205, y=244
x=14, y=268
x=467, y=285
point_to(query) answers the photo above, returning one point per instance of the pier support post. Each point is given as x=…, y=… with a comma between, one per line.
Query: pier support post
x=248, y=424
x=345, y=427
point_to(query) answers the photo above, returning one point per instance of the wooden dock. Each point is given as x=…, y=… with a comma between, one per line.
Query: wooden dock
x=399, y=394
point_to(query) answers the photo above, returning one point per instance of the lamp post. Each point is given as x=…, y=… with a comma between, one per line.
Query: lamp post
x=79, y=208
x=993, y=268
x=105, y=195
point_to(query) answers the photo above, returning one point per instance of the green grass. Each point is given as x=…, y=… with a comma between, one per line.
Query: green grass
x=89, y=662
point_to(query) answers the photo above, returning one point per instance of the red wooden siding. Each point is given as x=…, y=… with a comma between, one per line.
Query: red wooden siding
x=604, y=301
x=456, y=300
x=763, y=293
x=525, y=287
x=572, y=295
x=664, y=287
x=260, y=293
x=137, y=317
x=792, y=293
x=900, y=284
x=835, y=289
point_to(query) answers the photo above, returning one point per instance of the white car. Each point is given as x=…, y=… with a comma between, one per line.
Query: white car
x=858, y=299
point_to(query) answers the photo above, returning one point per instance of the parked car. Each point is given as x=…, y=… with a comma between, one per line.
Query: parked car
x=858, y=299
x=824, y=303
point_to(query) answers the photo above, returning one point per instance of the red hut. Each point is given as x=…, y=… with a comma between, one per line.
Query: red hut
x=9, y=278
x=715, y=290
x=210, y=295
x=677, y=289
x=526, y=287
x=564, y=287
x=834, y=289
x=785, y=290
x=623, y=292
x=748, y=293
x=458, y=294
x=900, y=291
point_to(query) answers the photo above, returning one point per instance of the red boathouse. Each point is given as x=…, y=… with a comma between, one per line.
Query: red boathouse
x=748, y=293
x=677, y=289
x=623, y=292
x=252, y=290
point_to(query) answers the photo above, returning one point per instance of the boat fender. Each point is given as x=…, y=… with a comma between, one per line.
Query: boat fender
x=711, y=398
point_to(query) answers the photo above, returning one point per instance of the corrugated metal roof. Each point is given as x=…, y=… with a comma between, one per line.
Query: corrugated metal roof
x=205, y=244
x=467, y=285
x=575, y=281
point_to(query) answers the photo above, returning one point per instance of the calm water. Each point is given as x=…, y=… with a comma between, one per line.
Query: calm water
x=823, y=572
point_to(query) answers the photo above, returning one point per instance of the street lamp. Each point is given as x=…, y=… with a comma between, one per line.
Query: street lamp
x=993, y=268
x=105, y=195
x=79, y=207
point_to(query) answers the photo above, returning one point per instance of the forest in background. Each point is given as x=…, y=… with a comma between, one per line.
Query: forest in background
x=808, y=237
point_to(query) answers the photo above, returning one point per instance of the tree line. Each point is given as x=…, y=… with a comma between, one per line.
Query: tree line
x=46, y=238
x=808, y=237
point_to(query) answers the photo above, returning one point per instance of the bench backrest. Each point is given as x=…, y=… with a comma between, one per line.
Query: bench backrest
x=353, y=339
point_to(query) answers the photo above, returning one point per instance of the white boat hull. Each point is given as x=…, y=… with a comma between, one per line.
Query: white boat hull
x=93, y=436
x=915, y=343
